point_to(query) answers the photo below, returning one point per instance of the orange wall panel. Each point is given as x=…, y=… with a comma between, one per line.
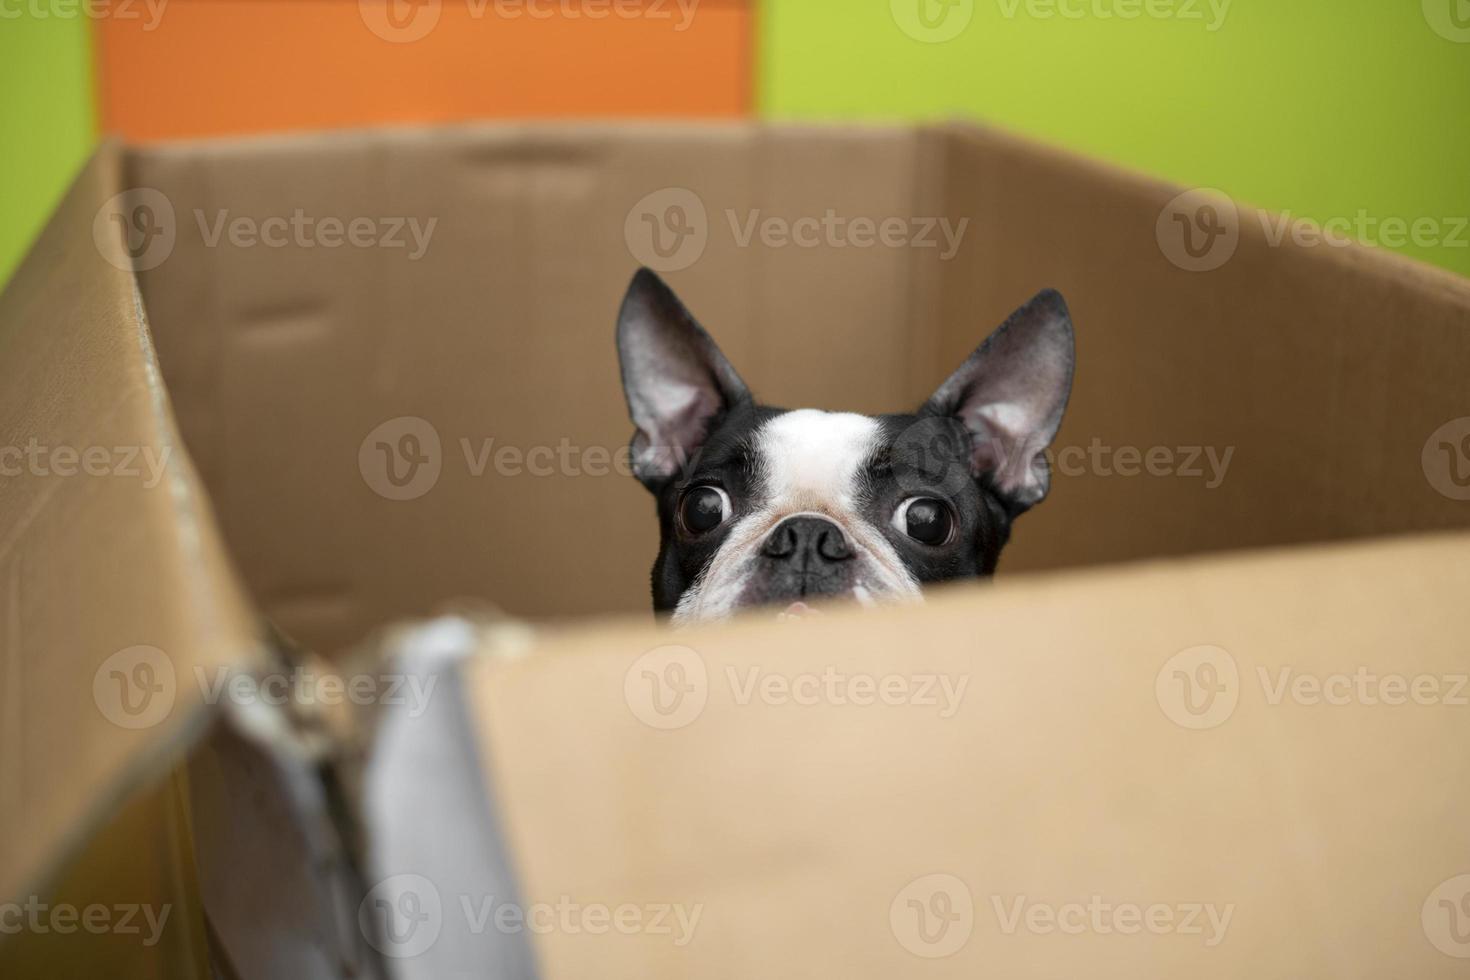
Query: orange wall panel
x=215, y=67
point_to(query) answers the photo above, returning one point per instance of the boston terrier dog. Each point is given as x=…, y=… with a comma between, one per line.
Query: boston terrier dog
x=762, y=506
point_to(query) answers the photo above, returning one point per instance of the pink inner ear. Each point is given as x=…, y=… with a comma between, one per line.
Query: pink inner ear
x=671, y=427
x=1002, y=449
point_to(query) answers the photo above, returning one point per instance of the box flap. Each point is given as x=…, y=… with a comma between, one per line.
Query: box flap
x=1259, y=392
x=1246, y=766
x=115, y=595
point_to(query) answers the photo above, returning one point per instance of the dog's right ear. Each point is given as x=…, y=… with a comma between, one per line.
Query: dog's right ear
x=676, y=380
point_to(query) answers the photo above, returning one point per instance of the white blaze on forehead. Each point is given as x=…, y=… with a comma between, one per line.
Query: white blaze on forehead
x=815, y=456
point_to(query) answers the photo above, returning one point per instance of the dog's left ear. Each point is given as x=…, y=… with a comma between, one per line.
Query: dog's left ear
x=1010, y=394
x=675, y=378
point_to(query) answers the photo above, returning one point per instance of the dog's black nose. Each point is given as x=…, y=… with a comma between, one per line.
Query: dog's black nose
x=807, y=541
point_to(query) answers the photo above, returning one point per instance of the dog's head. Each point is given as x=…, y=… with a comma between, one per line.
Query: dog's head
x=768, y=506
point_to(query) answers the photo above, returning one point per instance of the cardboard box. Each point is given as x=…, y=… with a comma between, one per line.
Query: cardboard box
x=1209, y=719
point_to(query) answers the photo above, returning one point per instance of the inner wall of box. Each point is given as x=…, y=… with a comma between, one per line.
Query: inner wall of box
x=283, y=360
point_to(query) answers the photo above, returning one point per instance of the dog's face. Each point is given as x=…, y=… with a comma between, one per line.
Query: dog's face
x=763, y=506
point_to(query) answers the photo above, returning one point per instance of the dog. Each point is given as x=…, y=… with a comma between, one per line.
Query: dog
x=763, y=506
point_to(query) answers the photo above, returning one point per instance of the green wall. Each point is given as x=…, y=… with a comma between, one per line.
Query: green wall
x=46, y=119
x=1322, y=107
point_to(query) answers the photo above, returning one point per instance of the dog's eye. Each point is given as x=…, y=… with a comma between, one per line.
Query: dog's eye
x=704, y=509
x=925, y=519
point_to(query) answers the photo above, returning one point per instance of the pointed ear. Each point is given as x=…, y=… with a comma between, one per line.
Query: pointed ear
x=676, y=380
x=1010, y=395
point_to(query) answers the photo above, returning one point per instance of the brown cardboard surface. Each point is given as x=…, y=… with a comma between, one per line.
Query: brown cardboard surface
x=1314, y=377
x=800, y=829
x=103, y=570
x=1324, y=370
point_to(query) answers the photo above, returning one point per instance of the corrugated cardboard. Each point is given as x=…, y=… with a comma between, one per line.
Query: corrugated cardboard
x=1324, y=373
x=95, y=566
x=1055, y=776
